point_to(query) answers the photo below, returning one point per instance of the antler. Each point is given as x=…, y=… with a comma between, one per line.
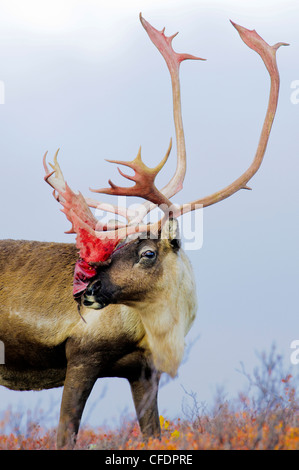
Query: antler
x=96, y=241
x=72, y=203
x=173, y=61
x=268, y=55
x=84, y=224
x=144, y=181
x=55, y=179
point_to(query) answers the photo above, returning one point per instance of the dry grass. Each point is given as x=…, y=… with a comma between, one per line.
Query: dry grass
x=266, y=417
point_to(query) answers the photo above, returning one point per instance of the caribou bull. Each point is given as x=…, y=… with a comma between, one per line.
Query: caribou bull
x=131, y=282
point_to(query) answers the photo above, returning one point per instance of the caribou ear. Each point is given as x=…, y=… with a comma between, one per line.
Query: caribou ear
x=171, y=232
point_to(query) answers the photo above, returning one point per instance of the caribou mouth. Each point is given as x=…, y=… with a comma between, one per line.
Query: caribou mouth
x=91, y=302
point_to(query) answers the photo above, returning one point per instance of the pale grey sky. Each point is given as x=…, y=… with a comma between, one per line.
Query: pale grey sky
x=83, y=76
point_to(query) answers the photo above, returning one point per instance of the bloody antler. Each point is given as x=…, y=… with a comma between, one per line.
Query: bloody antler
x=72, y=203
x=84, y=224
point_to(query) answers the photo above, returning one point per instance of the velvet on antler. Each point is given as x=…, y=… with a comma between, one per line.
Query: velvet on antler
x=84, y=223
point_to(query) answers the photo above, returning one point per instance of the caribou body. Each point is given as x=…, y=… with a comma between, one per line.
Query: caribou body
x=131, y=282
x=142, y=333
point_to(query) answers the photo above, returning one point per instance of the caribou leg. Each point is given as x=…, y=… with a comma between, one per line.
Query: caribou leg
x=145, y=393
x=80, y=379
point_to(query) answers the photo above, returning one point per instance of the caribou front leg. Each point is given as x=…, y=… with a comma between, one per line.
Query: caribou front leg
x=80, y=379
x=145, y=393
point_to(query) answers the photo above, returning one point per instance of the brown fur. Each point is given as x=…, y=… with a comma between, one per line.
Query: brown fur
x=138, y=336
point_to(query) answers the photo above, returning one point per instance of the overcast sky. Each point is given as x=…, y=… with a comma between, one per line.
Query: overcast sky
x=83, y=76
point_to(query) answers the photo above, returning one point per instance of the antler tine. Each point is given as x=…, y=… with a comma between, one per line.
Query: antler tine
x=268, y=55
x=54, y=178
x=144, y=178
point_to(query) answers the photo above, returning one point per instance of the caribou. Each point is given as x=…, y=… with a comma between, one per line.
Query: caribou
x=131, y=282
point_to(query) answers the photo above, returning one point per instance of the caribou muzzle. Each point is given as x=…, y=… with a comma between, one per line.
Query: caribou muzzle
x=100, y=293
x=94, y=297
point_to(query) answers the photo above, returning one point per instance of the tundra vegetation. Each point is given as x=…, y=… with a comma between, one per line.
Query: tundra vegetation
x=264, y=417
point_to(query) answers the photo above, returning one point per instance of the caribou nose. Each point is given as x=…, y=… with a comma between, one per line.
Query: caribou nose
x=93, y=288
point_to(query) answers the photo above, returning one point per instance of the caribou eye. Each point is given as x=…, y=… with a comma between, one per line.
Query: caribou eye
x=148, y=254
